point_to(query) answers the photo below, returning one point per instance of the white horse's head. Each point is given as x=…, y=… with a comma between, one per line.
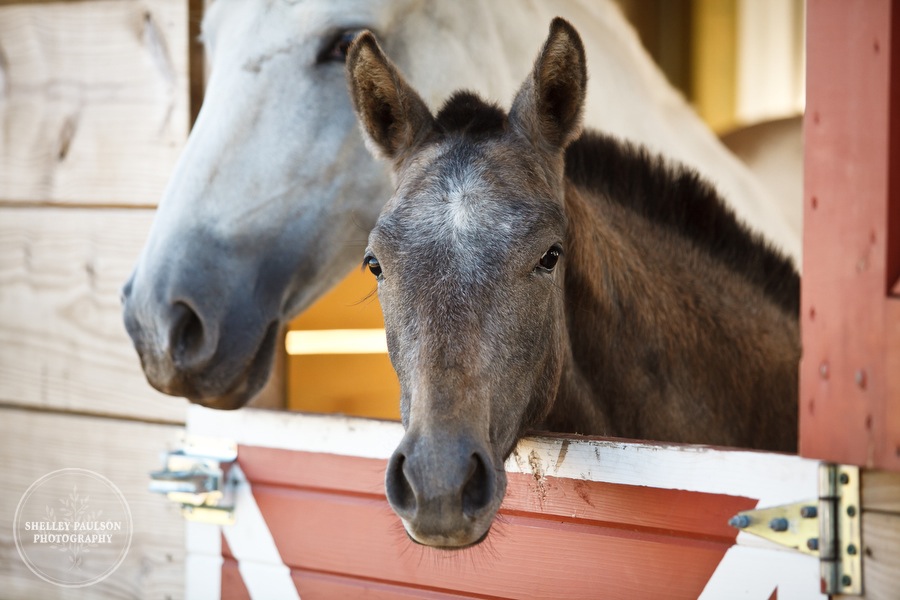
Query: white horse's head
x=273, y=198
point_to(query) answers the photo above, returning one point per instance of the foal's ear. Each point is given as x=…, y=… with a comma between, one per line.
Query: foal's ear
x=549, y=105
x=394, y=118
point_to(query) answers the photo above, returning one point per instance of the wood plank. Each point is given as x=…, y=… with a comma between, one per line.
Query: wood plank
x=770, y=477
x=319, y=383
x=33, y=444
x=880, y=491
x=673, y=511
x=352, y=535
x=76, y=99
x=233, y=587
x=312, y=585
x=62, y=342
x=847, y=413
x=881, y=558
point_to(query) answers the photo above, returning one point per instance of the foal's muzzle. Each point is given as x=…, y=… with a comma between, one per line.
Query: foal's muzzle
x=446, y=491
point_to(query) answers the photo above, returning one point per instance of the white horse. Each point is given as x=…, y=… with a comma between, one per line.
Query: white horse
x=274, y=195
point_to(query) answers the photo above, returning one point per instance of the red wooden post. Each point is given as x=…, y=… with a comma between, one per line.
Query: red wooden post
x=850, y=371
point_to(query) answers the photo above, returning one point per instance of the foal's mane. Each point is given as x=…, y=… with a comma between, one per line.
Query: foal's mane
x=670, y=195
x=677, y=197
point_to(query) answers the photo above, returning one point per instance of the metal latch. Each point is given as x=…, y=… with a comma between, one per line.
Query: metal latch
x=196, y=477
x=828, y=527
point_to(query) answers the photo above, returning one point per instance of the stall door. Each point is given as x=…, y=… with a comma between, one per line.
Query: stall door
x=583, y=518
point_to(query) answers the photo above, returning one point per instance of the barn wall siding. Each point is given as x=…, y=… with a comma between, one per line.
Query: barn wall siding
x=62, y=342
x=94, y=112
x=37, y=443
x=99, y=82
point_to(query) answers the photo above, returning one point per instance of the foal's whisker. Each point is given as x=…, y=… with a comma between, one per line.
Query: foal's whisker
x=368, y=298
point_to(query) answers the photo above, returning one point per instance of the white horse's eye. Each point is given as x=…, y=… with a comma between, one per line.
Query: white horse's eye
x=336, y=49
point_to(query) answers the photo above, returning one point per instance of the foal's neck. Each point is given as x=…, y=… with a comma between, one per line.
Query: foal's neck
x=666, y=342
x=595, y=261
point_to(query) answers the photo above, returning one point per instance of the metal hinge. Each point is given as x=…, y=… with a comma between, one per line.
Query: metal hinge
x=196, y=477
x=828, y=528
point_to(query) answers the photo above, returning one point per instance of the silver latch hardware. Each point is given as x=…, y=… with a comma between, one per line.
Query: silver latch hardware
x=827, y=527
x=196, y=477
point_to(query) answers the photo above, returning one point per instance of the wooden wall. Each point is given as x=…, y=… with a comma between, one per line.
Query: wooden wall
x=94, y=109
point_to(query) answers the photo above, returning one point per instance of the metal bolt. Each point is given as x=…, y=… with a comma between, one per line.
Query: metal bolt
x=861, y=378
x=844, y=478
x=778, y=524
x=846, y=581
x=739, y=521
x=808, y=512
x=823, y=370
x=851, y=511
x=851, y=550
x=812, y=544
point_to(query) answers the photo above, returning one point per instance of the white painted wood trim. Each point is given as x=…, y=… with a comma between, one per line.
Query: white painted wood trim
x=771, y=478
x=203, y=567
x=250, y=540
x=754, y=573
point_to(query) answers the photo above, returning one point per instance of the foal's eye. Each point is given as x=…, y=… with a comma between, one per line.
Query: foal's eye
x=373, y=265
x=336, y=49
x=550, y=258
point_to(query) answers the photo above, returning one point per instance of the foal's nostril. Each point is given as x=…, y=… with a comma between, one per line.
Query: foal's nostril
x=477, y=492
x=185, y=335
x=399, y=492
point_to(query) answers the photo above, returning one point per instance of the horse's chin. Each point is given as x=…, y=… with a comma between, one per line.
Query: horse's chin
x=226, y=394
x=225, y=401
x=446, y=543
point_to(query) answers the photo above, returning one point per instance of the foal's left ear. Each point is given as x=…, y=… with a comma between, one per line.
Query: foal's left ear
x=549, y=105
x=393, y=116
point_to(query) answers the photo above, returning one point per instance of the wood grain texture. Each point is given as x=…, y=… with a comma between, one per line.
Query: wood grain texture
x=95, y=100
x=848, y=413
x=361, y=537
x=62, y=342
x=33, y=444
x=332, y=525
x=673, y=512
x=880, y=491
x=881, y=557
x=312, y=585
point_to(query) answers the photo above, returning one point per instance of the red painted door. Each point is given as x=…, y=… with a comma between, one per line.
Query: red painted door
x=850, y=373
x=582, y=518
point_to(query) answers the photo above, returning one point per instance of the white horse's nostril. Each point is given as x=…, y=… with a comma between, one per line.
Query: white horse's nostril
x=186, y=336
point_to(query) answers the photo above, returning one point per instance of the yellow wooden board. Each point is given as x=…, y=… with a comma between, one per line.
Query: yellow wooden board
x=352, y=384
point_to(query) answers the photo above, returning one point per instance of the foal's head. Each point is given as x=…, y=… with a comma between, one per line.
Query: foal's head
x=469, y=255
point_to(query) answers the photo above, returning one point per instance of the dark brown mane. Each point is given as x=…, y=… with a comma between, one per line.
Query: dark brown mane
x=465, y=112
x=677, y=197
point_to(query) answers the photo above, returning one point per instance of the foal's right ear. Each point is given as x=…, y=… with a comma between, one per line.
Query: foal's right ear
x=394, y=118
x=549, y=105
